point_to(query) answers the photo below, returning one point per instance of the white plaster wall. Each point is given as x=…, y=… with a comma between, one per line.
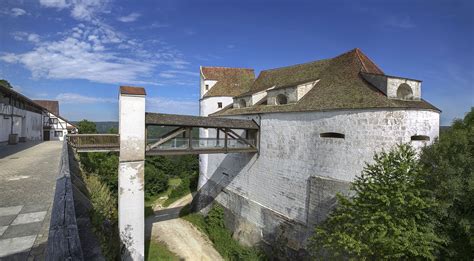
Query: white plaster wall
x=25, y=123
x=394, y=83
x=208, y=106
x=303, y=89
x=290, y=93
x=291, y=151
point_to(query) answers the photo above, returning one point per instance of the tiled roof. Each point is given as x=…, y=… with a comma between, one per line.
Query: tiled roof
x=51, y=106
x=132, y=90
x=340, y=87
x=230, y=81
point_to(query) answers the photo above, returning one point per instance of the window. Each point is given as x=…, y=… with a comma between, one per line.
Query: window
x=242, y=103
x=420, y=138
x=53, y=120
x=219, y=105
x=207, y=87
x=58, y=134
x=404, y=92
x=281, y=99
x=332, y=135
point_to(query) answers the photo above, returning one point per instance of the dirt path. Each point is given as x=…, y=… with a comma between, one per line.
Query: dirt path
x=179, y=235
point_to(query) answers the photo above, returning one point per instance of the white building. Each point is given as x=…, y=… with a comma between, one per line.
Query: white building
x=20, y=117
x=55, y=127
x=319, y=123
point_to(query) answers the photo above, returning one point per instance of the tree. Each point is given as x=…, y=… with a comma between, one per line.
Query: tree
x=448, y=168
x=155, y=180
x=113, y=130
x=86, y=127
x=388, y=218
x=6, y=83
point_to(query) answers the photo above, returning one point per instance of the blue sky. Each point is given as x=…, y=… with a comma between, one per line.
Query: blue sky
x=80, y=51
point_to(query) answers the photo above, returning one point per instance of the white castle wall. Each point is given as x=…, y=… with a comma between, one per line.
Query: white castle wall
x=288, y=178
x=25, y=123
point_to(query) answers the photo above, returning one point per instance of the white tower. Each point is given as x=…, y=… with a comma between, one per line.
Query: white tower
x=218, y=86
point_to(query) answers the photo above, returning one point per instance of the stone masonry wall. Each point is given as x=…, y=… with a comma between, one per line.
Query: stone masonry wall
x=295, y=176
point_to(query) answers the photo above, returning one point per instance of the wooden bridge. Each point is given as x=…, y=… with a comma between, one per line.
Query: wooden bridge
x=232, y=136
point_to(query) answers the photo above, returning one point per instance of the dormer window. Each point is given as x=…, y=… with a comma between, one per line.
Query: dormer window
x=219, y=105
x=242, y=103
x=404, y=92
x=281, y=99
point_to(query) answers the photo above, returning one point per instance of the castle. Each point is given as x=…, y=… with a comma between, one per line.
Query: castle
x=320, y=122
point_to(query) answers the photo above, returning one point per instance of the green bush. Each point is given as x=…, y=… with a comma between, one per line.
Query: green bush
x=448, y=168
x=390, y=217
x=155, y=181
x=213, y=225
x=104, y=216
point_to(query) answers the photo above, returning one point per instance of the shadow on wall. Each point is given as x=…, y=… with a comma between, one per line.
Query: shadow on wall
x=219, y=180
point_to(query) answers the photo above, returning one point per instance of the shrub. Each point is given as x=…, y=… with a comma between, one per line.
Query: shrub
x=448, y=168
x=155, y=181
x=104, y=216
x=390, y=217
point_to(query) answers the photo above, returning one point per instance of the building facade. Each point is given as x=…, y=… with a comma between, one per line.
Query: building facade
x=20, y=117
x=55, y=127
x=320, y=122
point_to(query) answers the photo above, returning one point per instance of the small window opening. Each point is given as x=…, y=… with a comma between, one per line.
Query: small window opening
x=281, y=99
x=404, y=92
x=242, y=103
x=332, y=135
x=219, y=105
x=420, y=137
x=207, y=87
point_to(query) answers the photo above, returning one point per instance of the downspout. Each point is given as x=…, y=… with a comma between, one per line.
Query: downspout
x=11, y=116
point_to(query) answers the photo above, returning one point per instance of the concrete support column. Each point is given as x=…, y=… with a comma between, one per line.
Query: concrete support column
x=131, y=172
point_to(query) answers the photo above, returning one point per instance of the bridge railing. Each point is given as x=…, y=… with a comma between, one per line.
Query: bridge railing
x=94, y=142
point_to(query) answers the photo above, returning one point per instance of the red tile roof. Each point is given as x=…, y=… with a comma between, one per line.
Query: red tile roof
x=51, y=106
x=132, y=90
x=230, y=81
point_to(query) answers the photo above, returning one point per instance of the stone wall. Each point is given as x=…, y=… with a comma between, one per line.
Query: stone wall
x=292, y=181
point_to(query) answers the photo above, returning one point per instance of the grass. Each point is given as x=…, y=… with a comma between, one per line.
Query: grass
x=213, y=226
x=155, y=250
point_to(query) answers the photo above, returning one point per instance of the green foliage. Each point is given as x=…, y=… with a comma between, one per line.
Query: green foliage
x=5, y=83
x=390, y=216
x=448, y=166
x=113, y=130
x=86, y=127
x=105, y=166
x=156, y=181
x=213, y=225
x=155, y=250
x=104, y=216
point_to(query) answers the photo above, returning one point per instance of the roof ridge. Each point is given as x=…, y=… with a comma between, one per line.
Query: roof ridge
x=224, y=67
x=362, y=58
x=294, y=65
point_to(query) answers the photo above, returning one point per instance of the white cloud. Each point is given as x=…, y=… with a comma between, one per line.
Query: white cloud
x=75, y=98
x=129, y=18
x=54, y=3
x=83, y=10
x=175, y=106
x=174, y=73
x=402, y=22
x=87, y=52
x=15, y=12
x=22, y=36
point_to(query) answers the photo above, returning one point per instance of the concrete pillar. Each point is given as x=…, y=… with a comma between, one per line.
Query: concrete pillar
x=131, y=172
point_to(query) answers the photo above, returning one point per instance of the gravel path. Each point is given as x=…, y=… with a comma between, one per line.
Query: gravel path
x=180, y=236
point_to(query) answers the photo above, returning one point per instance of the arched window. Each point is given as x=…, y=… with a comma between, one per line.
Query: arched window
x=404, y=92
x=242, y=103
x=332, y=135
x=420, y=137
x=281, y=99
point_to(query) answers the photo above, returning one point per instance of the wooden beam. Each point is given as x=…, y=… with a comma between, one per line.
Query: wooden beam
x=241, y=139
x=169, y=137
x=200, y=151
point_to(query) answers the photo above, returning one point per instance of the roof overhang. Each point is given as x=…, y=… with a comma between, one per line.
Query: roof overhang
x=161, y=119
